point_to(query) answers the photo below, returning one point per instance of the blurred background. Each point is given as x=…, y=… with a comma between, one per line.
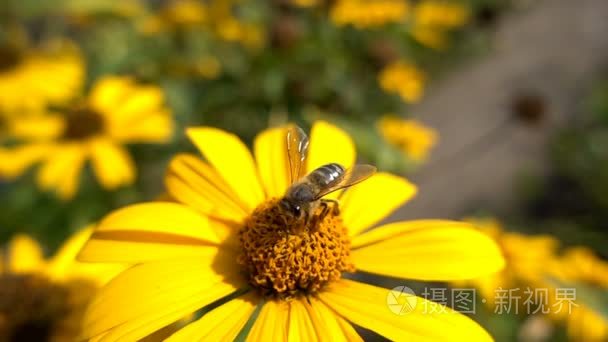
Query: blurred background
x=496, y=109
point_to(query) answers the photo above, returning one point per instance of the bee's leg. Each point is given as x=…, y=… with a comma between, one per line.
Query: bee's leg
x=313, y=219
x=317, y=218
x=334, y=204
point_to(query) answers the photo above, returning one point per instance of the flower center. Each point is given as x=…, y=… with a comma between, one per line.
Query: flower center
x=83, y=123
x=34, y=309
x=9, y=58
x=284, y=259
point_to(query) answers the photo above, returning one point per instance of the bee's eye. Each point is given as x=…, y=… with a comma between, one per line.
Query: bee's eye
x=296, y=210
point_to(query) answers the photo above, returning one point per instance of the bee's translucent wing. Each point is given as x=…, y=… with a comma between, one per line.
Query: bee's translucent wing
x=352, y=176
x=297, y=148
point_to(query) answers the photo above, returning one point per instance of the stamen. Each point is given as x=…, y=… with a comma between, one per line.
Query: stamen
x=283, y=260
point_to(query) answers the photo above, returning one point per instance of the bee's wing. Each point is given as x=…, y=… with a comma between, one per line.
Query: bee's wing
x=352, y=176
x=297, y=149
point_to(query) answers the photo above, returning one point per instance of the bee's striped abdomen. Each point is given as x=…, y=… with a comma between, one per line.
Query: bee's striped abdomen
x=327, y=174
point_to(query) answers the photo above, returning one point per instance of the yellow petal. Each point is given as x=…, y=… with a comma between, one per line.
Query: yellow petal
x=21, y=158
x=232, y=160
x=140, y=248
x=220, y=324
x=36, y=127
x=271, y=158
x=152, y=295
x=61, y=170
x=112, y=164
x=66, y=255
x=196, y=184
x=272, y=322
x=366, y=306
x=427, y=250
x=133, y=112
x=24, y=255
x=63, y=265
x=109, y=92
x=98, y=338
x=372, y=200
x=329, y=325
x=584, y=324
x=150, y=231
x=226, y=232
x=136, y=104
x=153, y=127
x=160, y=218
x=329, y=144
x=301, y=326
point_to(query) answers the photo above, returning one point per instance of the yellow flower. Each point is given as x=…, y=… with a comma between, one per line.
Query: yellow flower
x=306, y=3
x=526, y=259
x=186, y=12
x=216, y=16
x=533, y=262
x=441, y=14
x=175, y=13
x=30, y=79
x=430, y=36
x=404, y=79
x=45, y=300
x=584, y=324
x=432, y=19
x=368, y=14
x=412, y=137
x=117, y=111
x=233, y=30
x=580, y=266
x=225, y=245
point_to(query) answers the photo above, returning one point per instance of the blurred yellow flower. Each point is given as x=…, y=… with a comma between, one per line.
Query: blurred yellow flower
x=580, y=266
x=45, y=300
x=404, y=79
x=584, y=324
x=368, y=14
x=175, y=13
x=430, y=36
x=306, y=3
x=185, y=12
x=432, y=19
x=526, y=259
x=534, y=262
x=225, y=245
x=410, y=136
x=32, y=78
x=441, y=14
x=248, y=34
x=117, y=111
x=216, y=17
x=83, y=11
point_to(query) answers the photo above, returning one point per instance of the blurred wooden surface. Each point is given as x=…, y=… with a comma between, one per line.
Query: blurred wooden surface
x=553, y=51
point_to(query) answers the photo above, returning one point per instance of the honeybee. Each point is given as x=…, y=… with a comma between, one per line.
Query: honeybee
x=304, y=195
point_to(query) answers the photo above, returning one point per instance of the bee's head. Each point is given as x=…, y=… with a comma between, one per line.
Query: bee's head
x=292, y=208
